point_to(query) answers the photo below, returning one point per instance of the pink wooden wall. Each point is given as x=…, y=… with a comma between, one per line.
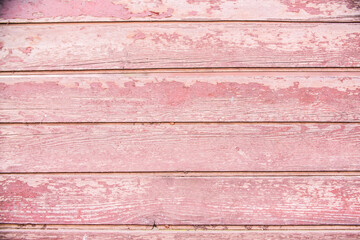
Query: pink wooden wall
x=180, y=119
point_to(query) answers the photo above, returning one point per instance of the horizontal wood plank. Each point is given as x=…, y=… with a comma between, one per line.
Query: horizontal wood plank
x=181, y=97
x=178, y=45
x=132, y=10
x=177, y=235
x=104, y=199
x=188, y=147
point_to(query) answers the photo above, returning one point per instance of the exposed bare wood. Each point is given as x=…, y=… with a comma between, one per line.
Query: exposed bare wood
x=182, y=97
x=178, y=45
x=158, y=227
x=177, y=235
x=165, y=147
x=178, y=201
x=132, y=10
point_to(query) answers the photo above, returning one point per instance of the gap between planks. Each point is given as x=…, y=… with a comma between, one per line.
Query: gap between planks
x=207, y=228
x=183, y=70
x=188, y=174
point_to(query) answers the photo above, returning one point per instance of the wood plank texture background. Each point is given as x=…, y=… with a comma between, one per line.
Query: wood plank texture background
x=101, y=199
x=142, y=119
x=179, y=45
x=165, y=147
x=181, y=235
x=133, y=10
x=156, y=97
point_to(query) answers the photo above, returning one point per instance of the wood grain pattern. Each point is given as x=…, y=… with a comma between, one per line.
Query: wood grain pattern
x=189, y=147
x=132, y=10
x=176, y=235
x=104, y=199
x=178, y=45
x=154, y=97
x=177, y=91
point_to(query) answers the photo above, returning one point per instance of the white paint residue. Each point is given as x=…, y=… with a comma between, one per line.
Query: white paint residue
x=243, y=154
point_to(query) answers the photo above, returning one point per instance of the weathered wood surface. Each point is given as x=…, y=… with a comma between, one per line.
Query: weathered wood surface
x=64, y=172
x=111, y=199
x=176, y=235
x=133, y=10
x=188, y=147
x=154, y=97
x=178, y=45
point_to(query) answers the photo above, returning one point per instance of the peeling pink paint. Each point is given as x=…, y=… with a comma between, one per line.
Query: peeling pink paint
x=139, y=35
x=176, y=93
x=78, y=8
x=165, y=99
x=275, y=109
x=314, y=7
x=186, y=45
x=23, y=190
x=213, y=8
x=165, y=147
x=318, y=200
x=185, y=235
x=110, y=10
x=27, y=50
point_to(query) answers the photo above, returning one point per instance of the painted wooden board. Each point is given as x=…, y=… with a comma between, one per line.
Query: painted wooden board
x=177, y=235
x=179, y=147
x=155, y=97
x=178, y=45
x=117, y=199
x=133, y=10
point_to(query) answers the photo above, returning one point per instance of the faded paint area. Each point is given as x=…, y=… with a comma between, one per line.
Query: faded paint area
x=165, y=147
x=178, y=235
x=135, y=200
x=125, y=10
x=101, y=158
x=58, y=10
x=320, y=7
x=174, y=45
x=181, y=97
